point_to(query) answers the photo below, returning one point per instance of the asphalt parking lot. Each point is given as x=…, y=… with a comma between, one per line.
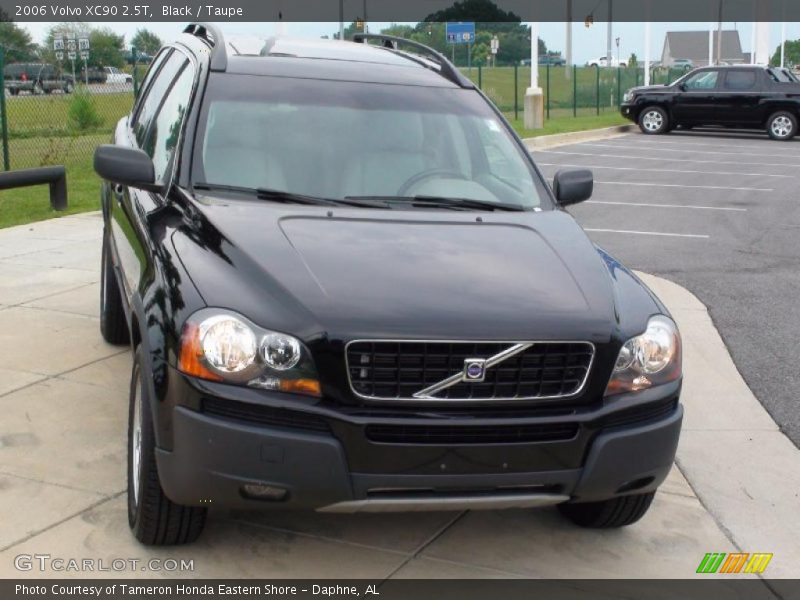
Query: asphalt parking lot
x=717, y=213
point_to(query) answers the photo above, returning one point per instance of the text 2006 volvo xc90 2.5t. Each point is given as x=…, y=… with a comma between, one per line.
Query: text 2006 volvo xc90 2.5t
x=349, y=288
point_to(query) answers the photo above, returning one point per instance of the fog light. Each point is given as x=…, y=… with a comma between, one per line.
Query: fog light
x=269, y=493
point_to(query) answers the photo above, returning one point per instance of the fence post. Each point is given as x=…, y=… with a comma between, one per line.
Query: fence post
x=597, y=84
x=547, y=70
x=637, y=76
x=574, y=90
x=135, y=55
x=4, y=116
x=480, y=77
x=619, y=85
x=516, y=91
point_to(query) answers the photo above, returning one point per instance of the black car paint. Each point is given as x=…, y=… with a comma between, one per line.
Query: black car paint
x=719, y=106
x=175, y=253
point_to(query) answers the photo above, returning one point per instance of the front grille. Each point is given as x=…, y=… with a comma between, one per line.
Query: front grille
x=396, y=370
x=466, y=435
x=263, y=415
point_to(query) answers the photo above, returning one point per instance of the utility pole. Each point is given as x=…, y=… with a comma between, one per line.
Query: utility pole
x=719, y=34
x=568, y=56
x=609, y=33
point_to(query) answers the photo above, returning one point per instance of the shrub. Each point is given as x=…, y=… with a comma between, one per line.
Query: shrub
x=82, y=114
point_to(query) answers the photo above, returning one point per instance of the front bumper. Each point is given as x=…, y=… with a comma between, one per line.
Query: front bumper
x=627, y=111
x=341, y=469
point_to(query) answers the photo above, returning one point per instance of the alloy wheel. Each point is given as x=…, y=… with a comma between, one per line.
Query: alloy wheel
x=781, y=126
x=653, y=120
x=136, y=442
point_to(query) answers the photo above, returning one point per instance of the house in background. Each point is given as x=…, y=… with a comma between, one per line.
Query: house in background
x=693, y=45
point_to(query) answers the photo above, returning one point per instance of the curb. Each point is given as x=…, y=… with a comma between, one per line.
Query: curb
x=741, y=466
x=560, y=139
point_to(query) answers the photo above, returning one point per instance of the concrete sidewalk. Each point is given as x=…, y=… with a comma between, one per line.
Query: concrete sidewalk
x=63, y=396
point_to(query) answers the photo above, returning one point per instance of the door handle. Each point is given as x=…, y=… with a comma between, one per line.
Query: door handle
x=118, y=191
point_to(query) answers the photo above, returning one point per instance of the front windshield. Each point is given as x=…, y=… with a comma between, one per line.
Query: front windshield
x=342, y=139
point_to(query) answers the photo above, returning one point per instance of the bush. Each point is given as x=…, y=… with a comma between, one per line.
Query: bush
x=82, y=113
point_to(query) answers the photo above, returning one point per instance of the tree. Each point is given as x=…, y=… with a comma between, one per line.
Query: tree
x=146, y=41
x=792, y=56
x=16, y=41
x=633, y=61
x=106, y=48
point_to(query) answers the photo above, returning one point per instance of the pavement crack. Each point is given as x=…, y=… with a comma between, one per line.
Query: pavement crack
x=61, y=521
x=436, y=535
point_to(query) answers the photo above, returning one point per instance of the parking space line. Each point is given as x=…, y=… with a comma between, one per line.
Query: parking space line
x=662, y=159
x=689, y=140
x=650, y=205
x=760, y=154
x=681, y=185
x=638, y=169
x=657, y=233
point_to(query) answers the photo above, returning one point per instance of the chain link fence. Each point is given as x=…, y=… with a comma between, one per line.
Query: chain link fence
x=568, y=91
x=51, y=114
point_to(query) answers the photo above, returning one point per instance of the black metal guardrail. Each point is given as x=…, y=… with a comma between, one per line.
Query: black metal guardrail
x=55, y=176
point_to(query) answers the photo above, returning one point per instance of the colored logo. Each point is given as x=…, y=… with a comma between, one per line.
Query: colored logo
x=736, y=562
x=474, y=369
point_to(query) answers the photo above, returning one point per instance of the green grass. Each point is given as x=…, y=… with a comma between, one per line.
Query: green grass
x=26, y=205
x=41, y=116
x=566, y=124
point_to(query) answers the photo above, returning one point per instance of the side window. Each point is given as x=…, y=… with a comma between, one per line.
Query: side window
x=162, y=139
x=152, y=71
x=705, y=80
x=154, y=96
x=740, y=80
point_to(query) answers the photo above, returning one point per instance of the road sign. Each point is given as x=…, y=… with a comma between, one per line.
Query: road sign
x=72, y=55
x=72, y=45
x=84, y=54
x=59, y=55
x=495, y=45
x=83, y=44
x=58, y=44
x=460, y=33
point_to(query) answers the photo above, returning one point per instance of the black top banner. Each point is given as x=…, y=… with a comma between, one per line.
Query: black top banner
x=483, y=11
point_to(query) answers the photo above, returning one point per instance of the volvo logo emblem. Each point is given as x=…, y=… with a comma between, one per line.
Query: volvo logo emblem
x=474, y=369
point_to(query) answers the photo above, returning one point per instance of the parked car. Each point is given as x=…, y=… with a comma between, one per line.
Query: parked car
x=420, y=325
x=114, y=75
x=746, y=97
x=36, y=78
x=94, y=75
x=682, y=63
x=603, y=62
x=554, y=60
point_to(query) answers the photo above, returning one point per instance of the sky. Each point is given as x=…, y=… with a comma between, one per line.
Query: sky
x=587, y=42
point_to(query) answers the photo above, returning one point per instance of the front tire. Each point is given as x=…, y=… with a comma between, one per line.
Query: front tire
x=653, y=120
x=782, y=126
x=113, y=323
x=608, y=514
x=153, y=518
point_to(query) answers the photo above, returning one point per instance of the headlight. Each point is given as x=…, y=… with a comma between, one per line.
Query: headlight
x=649, y=359
x=221, y=345
x=627, y=96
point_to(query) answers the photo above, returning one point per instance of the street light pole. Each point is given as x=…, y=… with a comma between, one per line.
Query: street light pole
x=610, y=33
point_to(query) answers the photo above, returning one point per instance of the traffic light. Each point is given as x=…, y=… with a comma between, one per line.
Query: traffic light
x=360, y=24
x=589, y=20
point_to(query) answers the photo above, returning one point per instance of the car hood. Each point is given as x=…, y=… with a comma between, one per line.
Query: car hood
x=403, y=274
x=643, y=89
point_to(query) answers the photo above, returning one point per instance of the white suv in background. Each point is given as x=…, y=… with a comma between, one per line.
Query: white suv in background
x=114, y=75
x=603, y=62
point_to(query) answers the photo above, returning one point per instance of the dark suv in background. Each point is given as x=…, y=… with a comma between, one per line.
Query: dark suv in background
x=348, y=288
x=36, y=78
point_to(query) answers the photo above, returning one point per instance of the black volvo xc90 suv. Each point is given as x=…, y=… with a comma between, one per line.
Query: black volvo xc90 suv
x=348, y=288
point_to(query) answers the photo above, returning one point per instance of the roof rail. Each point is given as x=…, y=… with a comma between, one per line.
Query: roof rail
x=446, y=68
x=212, y=36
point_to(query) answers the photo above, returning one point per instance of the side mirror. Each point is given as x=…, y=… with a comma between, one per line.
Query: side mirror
x=682, y=87
x=126, y=166
x=571, y=186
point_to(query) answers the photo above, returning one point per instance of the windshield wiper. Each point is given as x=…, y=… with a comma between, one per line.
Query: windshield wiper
x=266, y=194
x=290, y=198
x=442, y=202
